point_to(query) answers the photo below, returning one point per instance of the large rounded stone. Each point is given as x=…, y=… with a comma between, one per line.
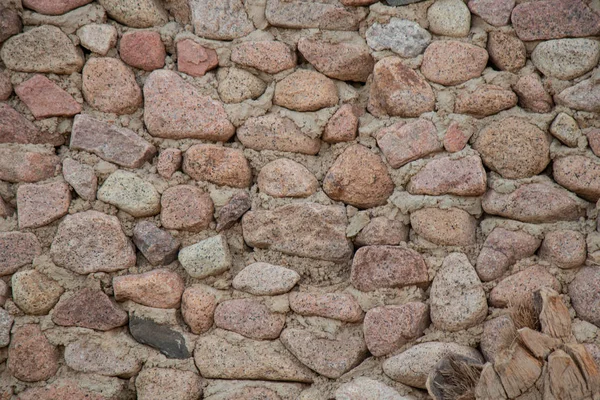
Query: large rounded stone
x=451, y=227
x=286, y=178
x=585, y=296
x=31, y=358
x=519, y=288
x=449, y=18
x=450, y=62
x=186, y=207
x=136, y=13
x=268, y=56
x=305, y=91
x=128, y=192
x=506, y=51
x=564, y=248
x=262, y=279
x=34, y=293
x=566, y=59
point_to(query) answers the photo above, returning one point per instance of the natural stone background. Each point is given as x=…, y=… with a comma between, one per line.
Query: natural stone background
x=289, y=199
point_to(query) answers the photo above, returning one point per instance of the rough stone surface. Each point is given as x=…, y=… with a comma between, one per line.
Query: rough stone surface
x=198, y=308
x=5, y=86
x=298, y=14
x=506, y=51
x=6, y=323
x=99, y=241
x=237, y=85
x=10, y=23
x=451, y=227
x=158, y=246
x=23, y=165
x=217, y=164
x=17, y=129
x=342, y=126
x=403, y=37
x=262, y=279
x=449, y=18
x=156, y=383
x=225, y=20
x=174, y=109
x=498, y=335
x=34, y=293
x=249, y=318
x=564, y=248
x=532, y=94
x=450, y=62
x=585, y=298
x=16, y=250
x=579, y=174
x=566, y=59
x=268, y=56
x=519, y=288
x=402, y=143
x=98, y=38
x=136, y=13
x=169, y=162
x=31, y=358
x=81, y=177
x=390, y=327
x=159, y=288
x=456, y=138
x=41, y=204
x=339, y=306
x=584, y=96
x=363, y=388
x=89, y=308
x=565, y=128
x=163, y=338
x=304, y=229
x=45, y=99
x=358, y=177
x=286, y=178
x=484, y=101
x=187, y=208
x=206, y=258
x=143, y=50
x=593, y=137
x=305, y=90
x=231, y=212
x=462, y=177
x=494, y=12
x=128, y=192
x=194, y=59
x=382, y=231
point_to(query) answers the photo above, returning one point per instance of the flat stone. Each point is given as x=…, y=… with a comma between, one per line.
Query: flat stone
x=267, y=56
x=461, y=177
x=153, y=383
x=375, y=267
x=142, y=49
x=118, y=145
x=298, y=14
x=272, y=132
x=484, y=101
x=305, y=90
x=109, y=86
x=227, y=355
x=34, y=293
x=506, y=51
x=450, y=62
x=163, y=338
x=198, y=308
x=450, y=227
x=342, y=126
x=382, y=231
x=328, y=357
x=412, y=366
x=16, y=250
x=554, y=19
x=11, y=23
x=136, y=13
x=174, y=109
x=457, y=298
x=593, y=137
x=338, y=306
x=66, y=389
x=217, y=164
x=388, y=328
x=532, y=94
x=398, y=91
x=41, y=204
x=220, y=21
x=564, y=248
x=246, y=393
x=402, y=143
x=519, y=288
x=457, y=136
x=403, y=37
x=566, y=59
x=249, y=318
x=50, y=7
x=169, y=162
x=16, y=128
x=584, y=96
x=359, y=177
x=536, y=203
x=514, y=148
x=363, y=388
x=5, y=86
x=494, y=12
x=345, y=58
x=89, y=308
x=186, y=207
x=98, y=38
x=206, y=258
x=109, y=354
x=19, y=164
x=231, y=212
x=6, y=323
x=501, y=249
x=262, y=279
x=237, y=85
x=157, y=245
x=99, y=241
x=301, y=229
x=31, y=358
x=126, y=191
x=579, y=174
x=565, y=128
x=286, y=178
x=70, y=22
x=449, y=18
x=159, y=288
x=584, y=294
x=45, y=49
x=194, y=59
x=81, y=177
x=45, y=98
x=498, y=335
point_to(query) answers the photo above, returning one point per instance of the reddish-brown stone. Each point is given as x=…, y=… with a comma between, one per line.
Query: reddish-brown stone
x=456, y=138
x=484, y=101
x=10, y=23
x=532, y=94
x=305, y=90
x=17, y=129
x=494, y=12
x=187, y=208
x=286, y=178
x=382, y=231
x=233, y=210
x=54, y=7
x=169, y=162
x=194, y=59
x=159, y=288
x=41, y=204
x=31, y=358
x=250, y=318
x=462, y=177
x=342, y=126
x=449, y=227
x=89, y=308
x=402, y=143
x=18, y=164
x=519, y=288
x=340, y=306
x=564, y=248
x=217, y=164
x=579, y=174
x=375, y=267
x=506, y=51
x=45, y=98
x=158, y=246
x=17, y=249
x=198, y=308
x=449, y=62
x=268, y=56
x=143, y=49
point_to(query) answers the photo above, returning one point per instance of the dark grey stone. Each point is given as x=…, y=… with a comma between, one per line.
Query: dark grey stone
x=166, y=340
x=232, y=211
x=158, y=246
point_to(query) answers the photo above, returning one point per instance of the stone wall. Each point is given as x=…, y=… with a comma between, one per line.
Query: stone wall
x=292, y=199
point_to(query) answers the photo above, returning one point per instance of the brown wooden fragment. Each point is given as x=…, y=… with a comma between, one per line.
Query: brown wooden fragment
x=518, y=370
x=539, y=344
x=554, y=315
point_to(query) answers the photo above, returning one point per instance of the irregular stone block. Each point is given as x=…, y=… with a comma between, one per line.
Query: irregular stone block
x=158, y=246
x=34, y=293
x=402, y=143
x=19, y=164
x=461, y=177
x=451, y=227
x=262, y=279
x=168, y=341
x=16, y=250
x=187, y=208
x=126, y=191
x=31, y=358
x=206, y=258
x=159, y=288
x=249, y=318
x=81, y=177
x=217, y=164
x=41, y=204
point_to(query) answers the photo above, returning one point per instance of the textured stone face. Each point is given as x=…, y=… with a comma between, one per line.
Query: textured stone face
x=405, y=38
x=286, y=178
x=143, y=50
x=451, y=227
x=449, y=62
x=584, y=96
x=506, y=51
x=154, y=383
x=81, y=178
x=486, y=100
x=532, y=94
x=449, y=18
x=462, y=177
x=34, y=293
x=206, y=258
x=31, y=358
x=340, y=306
x=41, y=204
x=249, y=318
x=17, y=249
x=187, y=208
x=194, y=59
x=494, y=12
x=237, y=85
x=519, y=288
x=298, y=14
x=161, y=337
x=136, y=13
x=23, y=165
x=98, y=38
x=45, y=99
x=17, y=129
x=89, y=308
x=566, y=59
x=305, y=90
x=584, y=294
x=169, y=162
x=128, y=192
x=158, y=246
x=578, y=174
x=565, y=248
x=10, y=24
x=262, y=279
x=268, y=56
x=342, y=126
x=402, y=143
x=197, y=308
x=382, y=231
x=220, y=165
x=159, y=288
x=363, y=388
x=233, y=210
x=224, y=20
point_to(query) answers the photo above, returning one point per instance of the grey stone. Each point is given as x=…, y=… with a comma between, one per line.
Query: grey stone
x=158, y=246
x=98, y=38
x=126, y=191
x=262, y=279
x=161, y=337
x=233, y=210
x=136, y=13
x=6, y=322
x=206, y=258
x=405, y=38
x=220, y=20
x=566, y=59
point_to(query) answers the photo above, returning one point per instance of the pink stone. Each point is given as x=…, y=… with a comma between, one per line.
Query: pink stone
x=22, y=165
x=449, y=62
x=376, y=267
x=554, y=19
x=159, y=288
x=484, y=101
x=217, y=164
x=494, y=12
x=187, y=208
x=297, y=14
x=519, y=288
x=268, y=56
x=194, y=59
x=16, y=129
x=197, y=308
x=45, y=98
x=41, y=204
x=16, y=250
x=456, y=137
x=169, y=161
x=532, y=94
x=342, y=126
x=81, y=177
x=579, y=174
x=250, y=318
x=445, y=227
x=143, y=49
x=286, y=178
x=382, y=231
x=564, y=248
x=593, y=136
x=507, y=51
x=174, y=109
x=390, y=327
x=31, y=358
x=10, y=23
x=461, y=177
x=585, y=296
x=402, y=143
x=54, y=7
x=5, y=85
x=305, y=90
x=340, y=306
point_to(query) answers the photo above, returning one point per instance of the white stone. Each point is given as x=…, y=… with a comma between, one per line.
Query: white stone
x=206, y=258
x=262, y=279
x=98, y=38
x=449, y=18
x=566, y=59
x=565, y=128
x=404, y=37
x=126, y=191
